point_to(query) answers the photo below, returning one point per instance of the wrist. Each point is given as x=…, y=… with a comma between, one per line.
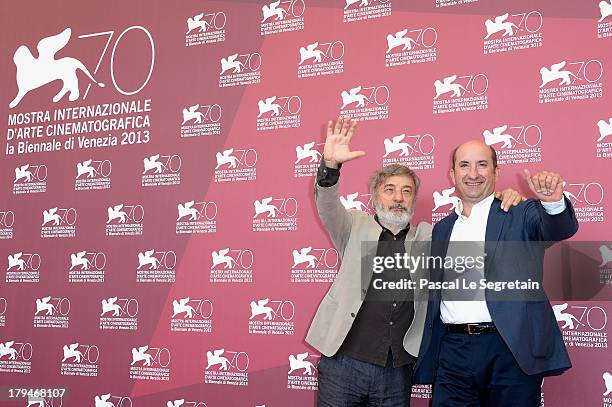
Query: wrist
x=330, y=163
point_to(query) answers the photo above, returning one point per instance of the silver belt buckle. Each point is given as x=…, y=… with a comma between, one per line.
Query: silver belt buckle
x=469, y=329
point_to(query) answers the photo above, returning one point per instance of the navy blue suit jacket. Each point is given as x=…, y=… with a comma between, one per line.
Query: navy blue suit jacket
x=528, y=326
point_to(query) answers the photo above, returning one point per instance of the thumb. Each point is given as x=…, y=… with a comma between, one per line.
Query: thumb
x=356, y=154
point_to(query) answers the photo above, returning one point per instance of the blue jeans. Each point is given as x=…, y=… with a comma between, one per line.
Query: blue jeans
x=347, y=382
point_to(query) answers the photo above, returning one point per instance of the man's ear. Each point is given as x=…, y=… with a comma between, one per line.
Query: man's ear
x=452, y=175
x=497, y=172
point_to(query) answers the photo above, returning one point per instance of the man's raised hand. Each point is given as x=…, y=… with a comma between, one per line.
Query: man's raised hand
x=547, y=186
x=336, y=150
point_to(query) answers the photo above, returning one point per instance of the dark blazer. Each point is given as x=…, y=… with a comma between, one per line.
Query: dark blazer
x=527, y=325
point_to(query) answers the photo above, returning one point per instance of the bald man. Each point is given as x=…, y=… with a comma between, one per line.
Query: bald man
x=481, y=347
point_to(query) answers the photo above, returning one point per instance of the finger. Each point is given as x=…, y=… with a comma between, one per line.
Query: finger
x=537, y=183
x=345, y=127
x=338, y=125
x=560, y=185
x=548, y=181
x=542, y=180
x=505, y=201
x=554, y=182
x=527, y=176
x=351, y=130
x=330, y=130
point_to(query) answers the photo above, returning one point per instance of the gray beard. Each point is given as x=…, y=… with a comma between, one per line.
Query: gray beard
x=392, y=220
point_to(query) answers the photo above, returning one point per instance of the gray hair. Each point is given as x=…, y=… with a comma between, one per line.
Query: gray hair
x=380, y=176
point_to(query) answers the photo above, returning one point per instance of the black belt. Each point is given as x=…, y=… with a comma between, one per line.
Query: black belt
x=472, y=329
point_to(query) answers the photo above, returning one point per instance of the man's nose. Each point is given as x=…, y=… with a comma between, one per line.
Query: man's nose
x=473, y=173
x=398, y=196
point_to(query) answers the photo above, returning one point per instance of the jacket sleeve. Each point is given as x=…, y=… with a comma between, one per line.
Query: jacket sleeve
x=545, y=227
x=336, y=219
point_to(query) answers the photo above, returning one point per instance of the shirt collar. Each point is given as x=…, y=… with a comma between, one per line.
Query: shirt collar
x=484, y=204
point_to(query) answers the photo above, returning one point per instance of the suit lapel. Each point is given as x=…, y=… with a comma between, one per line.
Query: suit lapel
x=440, y=245
x=445, y=234
x=495, y=223
x=409, y=239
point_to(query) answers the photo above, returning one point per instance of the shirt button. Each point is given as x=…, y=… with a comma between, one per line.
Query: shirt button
x=353, y=314
x=390, y=322
x=394, y=238
x=394, y=304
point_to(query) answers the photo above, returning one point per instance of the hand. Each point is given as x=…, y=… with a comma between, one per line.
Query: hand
x=336, y=150
x=509, y=197
x=547, y=186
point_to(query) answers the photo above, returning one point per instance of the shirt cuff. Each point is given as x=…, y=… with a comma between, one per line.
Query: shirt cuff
x=327, y=177
x=554, y=208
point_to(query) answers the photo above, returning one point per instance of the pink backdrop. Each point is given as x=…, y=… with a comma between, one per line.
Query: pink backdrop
x=89, y=284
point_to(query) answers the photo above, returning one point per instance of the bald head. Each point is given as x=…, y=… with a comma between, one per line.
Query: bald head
x=475, y=144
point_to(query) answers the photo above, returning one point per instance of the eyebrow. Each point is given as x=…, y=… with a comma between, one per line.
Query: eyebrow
x=393, y=185
x=477, y=162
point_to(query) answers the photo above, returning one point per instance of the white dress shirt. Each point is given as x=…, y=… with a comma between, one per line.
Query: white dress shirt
x=473, y=229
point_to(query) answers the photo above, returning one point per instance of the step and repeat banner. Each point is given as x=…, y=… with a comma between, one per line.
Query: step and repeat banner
x=159, y=240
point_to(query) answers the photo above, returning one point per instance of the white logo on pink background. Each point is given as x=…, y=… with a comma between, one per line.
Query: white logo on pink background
x=123, y=213
x=85, y=168
x=399, y=39
x=223, y=360
x=307, y=151
x=58, y=222
x=351, y=201
x=140, y=355
x=447, y=85
x=500, y=24
x=265, y=206
x=311, y=52
x=605, y=129
x=498, y=135
x=6, y=349
x=15, y=260
x=33, y=73
x=444, y=198
x=23, y=172
x=607, y=377
x=606, y=255
x=605, y=8
x=231, y=63
x=43, y=304
x=396, y=144
x=221, y=257
x=304, y=256
x=196, y=22
x=273, y=10
x=556, y=72
x=565, y=317
x=299, y=361
x=270, y=310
